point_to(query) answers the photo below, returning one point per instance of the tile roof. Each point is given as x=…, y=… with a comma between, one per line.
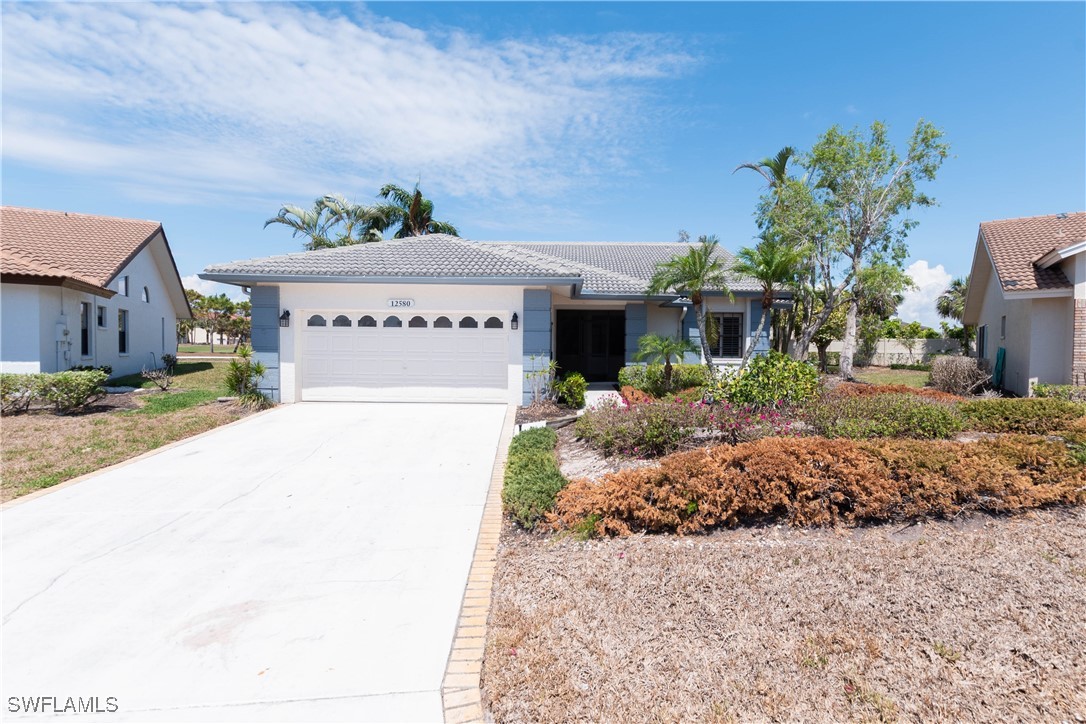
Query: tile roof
x=1015, y=244
x=60, y=245
x=622, y=268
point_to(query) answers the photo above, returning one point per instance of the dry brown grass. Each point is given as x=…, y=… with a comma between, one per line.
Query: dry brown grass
x=40, y=449
x=978, y=619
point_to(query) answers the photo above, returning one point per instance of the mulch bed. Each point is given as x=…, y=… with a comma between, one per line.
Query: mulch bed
x=979, y=618
x=543, y=410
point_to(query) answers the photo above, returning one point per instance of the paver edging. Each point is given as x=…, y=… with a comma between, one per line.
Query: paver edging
x=461, y=696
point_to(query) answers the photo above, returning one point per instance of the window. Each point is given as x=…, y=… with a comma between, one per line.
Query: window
x=392, y=321
x=729, y=335
x=85, y=329
x=417, y=322
x=102, y=317
x=122, y=331
x=493, y=323
x=122, y=286
x=367, y=321
x=1003, y=327
x=982, y=341
x=145, y=295
x=469, y=323
x=443, y=323
x=316, y=321
x=341, y=321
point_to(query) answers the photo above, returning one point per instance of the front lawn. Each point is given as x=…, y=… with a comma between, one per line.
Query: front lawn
x=223, y=349
x=887, y=376
x=40, y=449
x=976, y=619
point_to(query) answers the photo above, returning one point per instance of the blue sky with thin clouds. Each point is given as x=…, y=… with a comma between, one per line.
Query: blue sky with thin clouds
x=566, y=121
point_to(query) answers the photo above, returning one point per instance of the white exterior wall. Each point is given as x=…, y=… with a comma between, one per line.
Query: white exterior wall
x=152, y=325
x=1051, y=333
x=20, y=329
x=301, y=300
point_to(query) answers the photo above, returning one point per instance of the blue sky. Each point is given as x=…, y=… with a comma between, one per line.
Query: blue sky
x=568, y=121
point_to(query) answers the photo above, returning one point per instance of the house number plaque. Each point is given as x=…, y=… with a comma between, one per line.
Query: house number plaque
x=401, y=303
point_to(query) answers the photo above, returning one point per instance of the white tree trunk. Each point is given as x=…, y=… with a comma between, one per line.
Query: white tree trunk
x=848, y=342
x=706, y=352
x=757, y=337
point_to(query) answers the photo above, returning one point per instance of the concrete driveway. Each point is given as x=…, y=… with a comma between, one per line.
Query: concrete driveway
x=306, y=564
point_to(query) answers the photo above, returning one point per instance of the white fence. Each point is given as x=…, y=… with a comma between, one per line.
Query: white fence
x=894, y=351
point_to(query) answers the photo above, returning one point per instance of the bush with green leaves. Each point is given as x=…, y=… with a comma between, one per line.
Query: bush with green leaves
x=1071, y=393
x=571, y=389
x=169, y=361
x=648, y=429
x=70, y=391
x=1033, y=415
x=891, y=415
x=532, y=477
x=108, y=369
x=769, y=380
x=912, y=367
x=17, y=392
x=242, y=377
x=650, y=378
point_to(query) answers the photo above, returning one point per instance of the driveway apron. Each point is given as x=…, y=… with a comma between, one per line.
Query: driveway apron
x=306, y=564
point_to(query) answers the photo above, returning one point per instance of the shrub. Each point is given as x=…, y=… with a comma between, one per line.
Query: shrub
x=648, y=429
x=242, y=377
x=957, y=375
x=70, y=391
x=1071, y=393
x=570, y=390
x=892, y=415
x=108, y=369
x=633, y=396
x=169, y=361
x=163, y=378
x=854, y=389
x=17, y=392
x=1036, y=415
x=532, y=477
x=913, y=367
x=814, y=481
x=772, y=379
x=650, y=378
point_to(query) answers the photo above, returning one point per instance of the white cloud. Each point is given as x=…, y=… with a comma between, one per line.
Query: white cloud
x=919, y=303
x=258, y=101
x=851, y=109
x=207, y=288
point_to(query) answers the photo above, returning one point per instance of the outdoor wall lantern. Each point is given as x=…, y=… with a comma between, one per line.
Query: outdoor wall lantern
x=284, y=319
x=514, y=323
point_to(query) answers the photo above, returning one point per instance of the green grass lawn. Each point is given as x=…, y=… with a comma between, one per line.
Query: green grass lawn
x=223, y=349
x=196, y=375
x=887, y=376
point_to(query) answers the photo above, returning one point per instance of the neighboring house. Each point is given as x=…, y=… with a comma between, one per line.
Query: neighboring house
x=441, y=318
x=1027, y=296
x=85, y=290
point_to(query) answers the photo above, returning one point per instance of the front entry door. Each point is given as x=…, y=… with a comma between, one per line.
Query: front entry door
x=592, y=343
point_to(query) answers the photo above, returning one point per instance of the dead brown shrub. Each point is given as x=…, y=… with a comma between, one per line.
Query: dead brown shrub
x=634, y=396
x=852, y=389
x=820, y=482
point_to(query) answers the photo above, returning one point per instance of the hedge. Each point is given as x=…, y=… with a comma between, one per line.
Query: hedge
x=532, y=477
x=66, y=391
x=650, y=378
x=1035, y=415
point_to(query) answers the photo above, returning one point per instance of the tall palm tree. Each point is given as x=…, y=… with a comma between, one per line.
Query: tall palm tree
x=310, y=223
x=356, y=223
x=657, y=348
x=693, y=274
x=773, y=263
x=412, y=211
x=951, y=305
x=773, y=169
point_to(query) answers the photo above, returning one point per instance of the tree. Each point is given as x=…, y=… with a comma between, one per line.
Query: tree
x=333, y=221
x=310, y=223
x=412, y=211
x=774, y=170
x=833, y=329
x=867, y=187
x=773, y=263
x=951, y=305
x=657, y=348
x=693, y=274
x=214, y=313
x=185, y=326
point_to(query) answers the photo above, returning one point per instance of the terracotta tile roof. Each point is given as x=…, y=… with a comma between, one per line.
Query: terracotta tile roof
x=60, y=245
x=1015, y=244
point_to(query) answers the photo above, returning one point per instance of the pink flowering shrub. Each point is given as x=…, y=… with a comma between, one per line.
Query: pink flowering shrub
x=652, y=429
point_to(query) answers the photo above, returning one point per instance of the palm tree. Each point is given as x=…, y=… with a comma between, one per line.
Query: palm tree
x=774, y=170
x=773, y=264
x=951, y=305
x=361, y=224
x=693, y=274
x=656, y=348
x=412, y=211
x=311, y=223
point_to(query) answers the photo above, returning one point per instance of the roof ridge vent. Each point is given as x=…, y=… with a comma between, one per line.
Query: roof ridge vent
x=1061, y=215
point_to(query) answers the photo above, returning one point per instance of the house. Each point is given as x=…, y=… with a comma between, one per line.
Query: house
x=437, y=317
x=81, y=290
x=1027, y=297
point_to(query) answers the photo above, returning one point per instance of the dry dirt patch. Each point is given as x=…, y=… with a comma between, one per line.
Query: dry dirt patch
x=977, y=619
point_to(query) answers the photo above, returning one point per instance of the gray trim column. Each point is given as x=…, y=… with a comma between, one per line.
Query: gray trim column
x=265, y=335
x=637, y=326
x=535, y=334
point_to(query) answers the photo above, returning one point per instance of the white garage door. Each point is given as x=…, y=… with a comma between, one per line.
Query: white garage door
x=404, y=356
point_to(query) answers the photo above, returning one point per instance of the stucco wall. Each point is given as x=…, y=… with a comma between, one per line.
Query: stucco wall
x=1051, y=332
x=303, y=299
x=20, y=330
